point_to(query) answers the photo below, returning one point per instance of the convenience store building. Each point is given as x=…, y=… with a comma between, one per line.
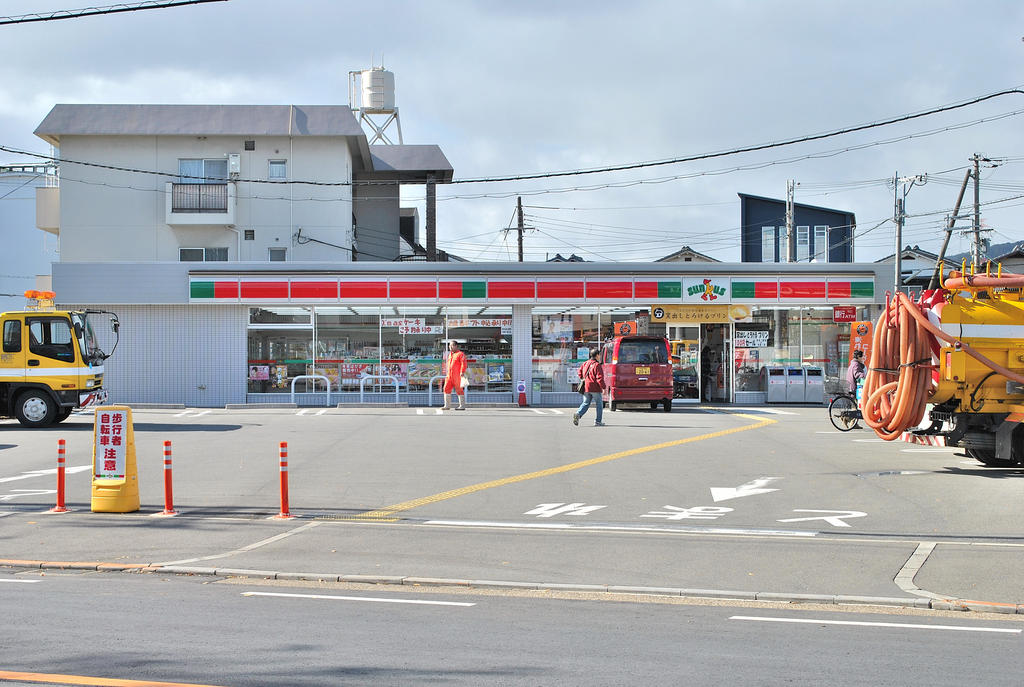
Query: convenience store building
x=208, y=334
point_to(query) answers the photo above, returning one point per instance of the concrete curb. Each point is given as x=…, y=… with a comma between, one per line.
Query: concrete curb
x=964, y=605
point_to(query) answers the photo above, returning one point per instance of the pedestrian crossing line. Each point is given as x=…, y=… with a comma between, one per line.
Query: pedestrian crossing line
x=390, y=511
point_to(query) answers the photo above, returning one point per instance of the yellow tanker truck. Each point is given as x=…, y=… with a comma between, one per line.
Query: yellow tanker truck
x=50, y=362
x=948, y=368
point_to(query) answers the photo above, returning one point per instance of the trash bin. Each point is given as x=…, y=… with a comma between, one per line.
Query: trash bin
x=794, y=385
x=774, y=384
x=814, y=385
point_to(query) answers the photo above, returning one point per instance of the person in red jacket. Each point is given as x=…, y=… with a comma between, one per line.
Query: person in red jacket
x=592, y=375
x=454, y=374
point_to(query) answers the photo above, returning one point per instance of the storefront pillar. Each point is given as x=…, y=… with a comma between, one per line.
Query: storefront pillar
x=522, y=352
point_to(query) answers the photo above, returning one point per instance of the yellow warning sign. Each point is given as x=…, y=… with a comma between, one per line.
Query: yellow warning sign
x=115, y=483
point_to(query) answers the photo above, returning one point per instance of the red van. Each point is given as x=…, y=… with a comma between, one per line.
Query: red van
x=637, y=369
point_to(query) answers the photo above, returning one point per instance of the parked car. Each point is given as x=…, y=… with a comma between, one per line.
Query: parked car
x=637, y=369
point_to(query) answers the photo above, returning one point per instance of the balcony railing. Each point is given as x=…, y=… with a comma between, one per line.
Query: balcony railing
x=199, y=204
x=199, y=198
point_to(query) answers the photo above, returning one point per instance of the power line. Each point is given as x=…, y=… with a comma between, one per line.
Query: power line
x=615, y=168
x=93, y=11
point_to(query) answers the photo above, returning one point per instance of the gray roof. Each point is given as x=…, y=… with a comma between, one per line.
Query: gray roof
x=198, y=120
x=410, y=162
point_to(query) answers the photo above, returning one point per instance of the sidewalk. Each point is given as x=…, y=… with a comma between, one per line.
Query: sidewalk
x=956, y=576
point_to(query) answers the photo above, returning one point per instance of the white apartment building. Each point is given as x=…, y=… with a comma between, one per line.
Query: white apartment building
x=216, y=183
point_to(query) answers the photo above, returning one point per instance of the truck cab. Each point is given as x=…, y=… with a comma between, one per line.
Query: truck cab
x=50, y=363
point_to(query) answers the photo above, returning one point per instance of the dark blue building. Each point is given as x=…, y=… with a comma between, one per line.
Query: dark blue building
x=819, y=234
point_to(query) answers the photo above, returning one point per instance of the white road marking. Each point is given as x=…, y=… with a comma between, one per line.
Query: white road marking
x=203, y=412
x=419, y=411
x=248, y=547
x=555, y=411
x=421, y=602
x=49, y=471
x=909, y=626
x=751, y=488
x=539, y=412
x=871, y=441
x=183, y=414
x=321, y=411
x=303, y=411
x=622, y=528
x=438, y=411
x=939, y=449
x=21, y=581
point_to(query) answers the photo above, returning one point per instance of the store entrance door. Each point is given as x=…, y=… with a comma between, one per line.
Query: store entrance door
x=715, y=380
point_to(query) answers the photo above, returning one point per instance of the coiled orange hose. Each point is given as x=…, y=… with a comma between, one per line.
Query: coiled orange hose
x=898, y=382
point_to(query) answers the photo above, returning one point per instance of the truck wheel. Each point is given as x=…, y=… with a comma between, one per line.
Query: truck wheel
x=654, y=405
x=988, y=458
x=63, y=414
x=35, y=409
x=667, y=404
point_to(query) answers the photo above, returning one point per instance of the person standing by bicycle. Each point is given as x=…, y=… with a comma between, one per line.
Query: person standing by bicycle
x=855, y=371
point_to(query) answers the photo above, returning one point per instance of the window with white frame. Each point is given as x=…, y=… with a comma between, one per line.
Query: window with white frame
x=821, y=243
x=767, y=244
x=277, y=169
x=202, y=254
x=803, y=244
x=194, y=171
x=277, y=254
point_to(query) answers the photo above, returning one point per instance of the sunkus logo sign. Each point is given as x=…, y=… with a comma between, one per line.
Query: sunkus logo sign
x=705, y=290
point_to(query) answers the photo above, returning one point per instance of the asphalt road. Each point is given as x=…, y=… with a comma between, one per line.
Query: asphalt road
x=208, y=631
x=758, y=501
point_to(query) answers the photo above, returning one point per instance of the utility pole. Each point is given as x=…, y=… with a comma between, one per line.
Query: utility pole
x=898, y=210
x=431, y=219
x=519, y=211
x=520, y=228
x=789, y=220
x=904, y=183
x=976, y=158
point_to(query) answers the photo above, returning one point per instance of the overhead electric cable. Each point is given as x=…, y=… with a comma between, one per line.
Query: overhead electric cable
x=93, y=11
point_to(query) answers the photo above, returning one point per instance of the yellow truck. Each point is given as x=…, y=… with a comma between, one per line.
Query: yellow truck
x=50, y=362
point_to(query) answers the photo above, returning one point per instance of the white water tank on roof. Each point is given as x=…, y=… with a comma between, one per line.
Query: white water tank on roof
x=378, y=90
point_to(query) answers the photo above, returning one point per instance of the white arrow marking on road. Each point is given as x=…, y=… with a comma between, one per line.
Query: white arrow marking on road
x=835, y=519
x=866, y=624
x=361, y=598
x=547, y=510
x=749, y=489
x=50, y=471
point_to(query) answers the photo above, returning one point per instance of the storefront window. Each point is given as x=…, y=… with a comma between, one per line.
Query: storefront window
x=280, y=347
x=485, y=335
x=562, y=339
x=347, y=345
x=791, y=337
x=413, y=342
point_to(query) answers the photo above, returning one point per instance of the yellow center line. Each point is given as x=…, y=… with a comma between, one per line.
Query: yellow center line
x=389, y=511
x=53, y=678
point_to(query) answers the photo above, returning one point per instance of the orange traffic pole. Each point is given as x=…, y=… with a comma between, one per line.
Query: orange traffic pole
x=168, y=482
x=59, y=508
x=284, y=481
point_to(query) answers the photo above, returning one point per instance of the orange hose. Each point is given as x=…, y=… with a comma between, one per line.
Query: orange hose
x=898, y=382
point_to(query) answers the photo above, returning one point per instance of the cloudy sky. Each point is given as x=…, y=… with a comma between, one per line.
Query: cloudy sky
x=523, y=87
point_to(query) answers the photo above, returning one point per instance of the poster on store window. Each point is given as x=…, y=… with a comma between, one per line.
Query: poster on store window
x=556, y=330
x=496, y=373
x=329, y=371
x=259, y=373
x=351, y=373
x=420, y=371
x=399, y=371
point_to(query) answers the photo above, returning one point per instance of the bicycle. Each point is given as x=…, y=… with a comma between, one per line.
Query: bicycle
x=844, y=413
